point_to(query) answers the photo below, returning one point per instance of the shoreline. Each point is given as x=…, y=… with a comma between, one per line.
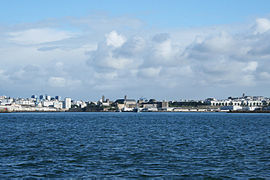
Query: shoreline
x=268, y=111
x=256, y=111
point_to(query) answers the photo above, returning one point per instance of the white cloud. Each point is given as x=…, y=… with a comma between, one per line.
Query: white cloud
x=149, y=72
x=38, y=36
x=57, y=81
x=106, y=75
x=251, y=66
x=220, y=59
x=114, y=39
x=247, y=80
x=62, y=82
x=265, y=75
x=3, y=75
x=262, y=25
x=147, y=62
x=163, y=50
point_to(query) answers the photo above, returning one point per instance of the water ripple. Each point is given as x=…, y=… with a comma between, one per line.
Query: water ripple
x=129, y=145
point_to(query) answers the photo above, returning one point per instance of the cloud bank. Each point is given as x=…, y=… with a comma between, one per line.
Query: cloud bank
x=127, y=58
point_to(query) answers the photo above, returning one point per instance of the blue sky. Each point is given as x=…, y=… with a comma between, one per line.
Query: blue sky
x=160, y=13
x=155, y=49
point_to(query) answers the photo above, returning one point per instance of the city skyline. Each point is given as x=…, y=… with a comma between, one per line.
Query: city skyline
x=174, y=50
x=47, y=103
x=46, y=96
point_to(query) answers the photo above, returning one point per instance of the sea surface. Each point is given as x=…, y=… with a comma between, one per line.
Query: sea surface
x=135, y=145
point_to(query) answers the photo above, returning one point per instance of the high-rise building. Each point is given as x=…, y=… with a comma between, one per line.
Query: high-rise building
x=67, y=103
x=58, y=98
x=48, y=97
x=41, y=97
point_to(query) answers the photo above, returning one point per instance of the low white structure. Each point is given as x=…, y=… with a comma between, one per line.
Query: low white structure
x=253, y=108
x=80, y=103
x=47, y=103
x=230, y=108
x=244, y=101
x=58, y=104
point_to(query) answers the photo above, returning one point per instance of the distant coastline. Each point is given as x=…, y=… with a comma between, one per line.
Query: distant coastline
x=46, y=103
x=256, y=111
x=6, y=112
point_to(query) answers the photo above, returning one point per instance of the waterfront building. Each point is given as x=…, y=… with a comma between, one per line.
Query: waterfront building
x=231, y=108
x=34, y=96
x=58, y=104
x=47, y=103
x=22, y=101
x=163, y=106
x=58, y=98
x=80, y=103
x=41, y=97
x=126, y=104
x=67, y=103
x=103, y=102
x=3, y=97
x=250, y=101
x=250, y=108
x=48, y=97
x=6, y=101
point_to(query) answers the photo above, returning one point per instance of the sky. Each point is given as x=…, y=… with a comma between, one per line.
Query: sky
x=159, y=49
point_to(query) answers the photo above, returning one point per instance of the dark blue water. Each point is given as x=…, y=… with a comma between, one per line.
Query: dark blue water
x=130, y=145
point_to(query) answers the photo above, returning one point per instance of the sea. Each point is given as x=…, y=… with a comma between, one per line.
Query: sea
x=134, y=145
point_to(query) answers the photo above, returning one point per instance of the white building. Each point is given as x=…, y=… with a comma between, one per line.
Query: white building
x=6, y=101
x=25, y=102
x=47, y=103
x=67, y=103
x=230, y=108
x=250, y=101
x=80, y=103
x=57, y=104
x=250, y=108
